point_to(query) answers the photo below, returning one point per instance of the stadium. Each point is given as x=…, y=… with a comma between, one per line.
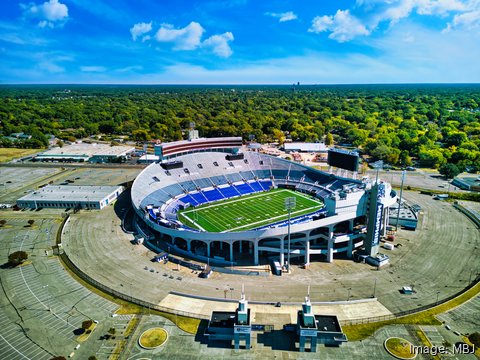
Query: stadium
x=208, y=200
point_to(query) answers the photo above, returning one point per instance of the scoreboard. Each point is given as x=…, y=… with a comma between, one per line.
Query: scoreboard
x=342, y=159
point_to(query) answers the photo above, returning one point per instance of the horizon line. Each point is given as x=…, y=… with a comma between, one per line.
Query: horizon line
x=242, y=84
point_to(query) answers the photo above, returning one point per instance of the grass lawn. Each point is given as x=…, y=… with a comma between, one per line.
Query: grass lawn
x=427, y=317
x=400, y=348
x=248, y=212
x=8, y=154
x=153, y=338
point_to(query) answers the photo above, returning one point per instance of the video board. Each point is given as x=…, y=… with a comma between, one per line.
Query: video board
x=347, y=160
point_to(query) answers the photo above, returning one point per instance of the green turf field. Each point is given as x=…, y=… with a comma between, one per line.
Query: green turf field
x=247, y=212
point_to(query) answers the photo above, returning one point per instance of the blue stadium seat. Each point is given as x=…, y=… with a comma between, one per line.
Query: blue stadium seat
x=199, y=198
x=267, y=184
x=213, y=195
x=229, y=192
x=244, y=189
x=256, y=186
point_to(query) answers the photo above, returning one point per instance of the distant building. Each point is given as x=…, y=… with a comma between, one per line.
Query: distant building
x=71, y=196
x=148, y=159
x=305, y=147
x=467, y=183
x=14, y=137
x=82, y=152
x=193, y=134
x=21, y=136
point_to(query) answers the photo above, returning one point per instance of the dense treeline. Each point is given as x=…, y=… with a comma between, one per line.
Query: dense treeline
x=435, y=124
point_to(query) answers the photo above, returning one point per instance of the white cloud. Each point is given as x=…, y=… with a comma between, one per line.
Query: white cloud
x=343, y=26
x=51, y=67
x=282, y=17
x=95, y=69
x=396, y=10
x=219, y=44
x=51, y=13
x=190, y=38
x=439, y=7
x=139, y=29
x=468, y=20
x=132, y=68
x=187, y=38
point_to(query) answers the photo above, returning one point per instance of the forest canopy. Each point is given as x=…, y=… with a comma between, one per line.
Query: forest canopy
x=433, y=124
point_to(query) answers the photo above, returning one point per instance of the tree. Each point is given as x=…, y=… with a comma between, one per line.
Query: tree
x=449, y=170
x=17, y=258
x=60, y=143
x=140, y=135
x=3, y=222
x=112, y=331
x=59, y=358
x=92, y=357
x=86, y=324
x=31, y=222
x=405, y=159
x=329, y=139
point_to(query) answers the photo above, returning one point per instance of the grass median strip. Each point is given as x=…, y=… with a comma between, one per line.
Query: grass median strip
x=427, y=317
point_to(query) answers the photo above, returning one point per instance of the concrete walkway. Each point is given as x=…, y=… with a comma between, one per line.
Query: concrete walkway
x=354, y=310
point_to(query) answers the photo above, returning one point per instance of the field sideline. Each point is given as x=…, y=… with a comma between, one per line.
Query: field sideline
x=248, y=212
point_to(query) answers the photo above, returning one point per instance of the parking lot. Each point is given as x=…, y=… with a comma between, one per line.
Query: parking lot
x=465, y=318
x=42, y=305
x=16, y=181
x=15, y=345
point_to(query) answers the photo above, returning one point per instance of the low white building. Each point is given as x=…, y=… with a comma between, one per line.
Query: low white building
x=70, y=196
x=305, y=147
x=83, y=152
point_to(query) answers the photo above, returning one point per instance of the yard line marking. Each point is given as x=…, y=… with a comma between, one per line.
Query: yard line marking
x=272, y=218
x=242, y=198
x=186, y=217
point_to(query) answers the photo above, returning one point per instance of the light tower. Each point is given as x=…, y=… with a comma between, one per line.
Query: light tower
x=290, y=204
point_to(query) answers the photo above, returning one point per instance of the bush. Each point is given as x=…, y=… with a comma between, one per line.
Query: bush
x=17, y=258
x=86, y=324
x=2, y=223
x=31, y=222
x=475, y=339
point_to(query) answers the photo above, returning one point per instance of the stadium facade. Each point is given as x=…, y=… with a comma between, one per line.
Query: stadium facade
x=208, y=171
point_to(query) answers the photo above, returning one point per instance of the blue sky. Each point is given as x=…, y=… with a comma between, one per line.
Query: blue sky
x=240, y=41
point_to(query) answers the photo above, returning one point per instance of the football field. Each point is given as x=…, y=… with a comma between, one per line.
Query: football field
x=248, y=212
